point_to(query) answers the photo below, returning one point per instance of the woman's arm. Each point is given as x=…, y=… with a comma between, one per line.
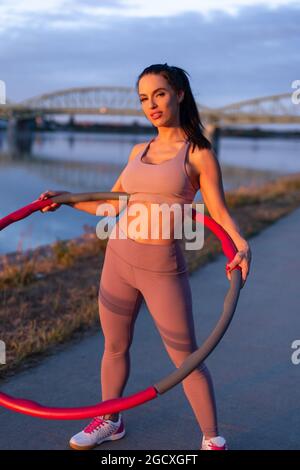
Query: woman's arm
x=94, y=207
x=211, y=187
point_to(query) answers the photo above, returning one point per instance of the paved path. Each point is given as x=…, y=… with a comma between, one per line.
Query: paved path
x=256, y=383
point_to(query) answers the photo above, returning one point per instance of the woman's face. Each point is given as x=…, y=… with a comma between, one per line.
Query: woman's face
x=157, y=96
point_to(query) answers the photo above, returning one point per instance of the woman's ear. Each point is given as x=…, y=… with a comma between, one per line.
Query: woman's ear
x=180, y=95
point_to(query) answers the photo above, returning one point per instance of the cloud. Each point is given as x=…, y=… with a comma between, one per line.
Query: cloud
x=20, y=12
x=55, y=13
x=229, y=58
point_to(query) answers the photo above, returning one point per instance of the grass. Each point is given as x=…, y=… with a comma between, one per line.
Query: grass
x=254, y=209
x=47, y=299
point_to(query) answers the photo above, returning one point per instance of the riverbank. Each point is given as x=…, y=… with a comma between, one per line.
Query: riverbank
x=49, y=296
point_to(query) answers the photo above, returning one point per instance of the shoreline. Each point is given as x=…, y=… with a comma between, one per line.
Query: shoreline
x=234, y=178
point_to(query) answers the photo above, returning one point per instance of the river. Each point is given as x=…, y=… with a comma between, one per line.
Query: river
x=82, y=161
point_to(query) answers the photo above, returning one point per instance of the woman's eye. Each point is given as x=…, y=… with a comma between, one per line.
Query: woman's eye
x=159, y=94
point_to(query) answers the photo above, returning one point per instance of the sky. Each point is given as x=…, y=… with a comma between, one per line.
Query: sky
x=233, y=50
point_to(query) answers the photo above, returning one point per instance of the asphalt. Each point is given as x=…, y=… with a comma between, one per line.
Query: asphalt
x=256, y=382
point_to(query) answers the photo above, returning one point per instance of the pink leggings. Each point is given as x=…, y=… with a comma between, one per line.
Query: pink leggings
x=158, y=273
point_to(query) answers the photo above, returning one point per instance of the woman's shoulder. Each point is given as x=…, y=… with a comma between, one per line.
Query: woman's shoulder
x=201, y=160
x=136, y=149
x=199, y=156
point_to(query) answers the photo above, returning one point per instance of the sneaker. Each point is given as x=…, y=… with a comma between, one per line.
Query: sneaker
x=98, y=431
x=214, y=443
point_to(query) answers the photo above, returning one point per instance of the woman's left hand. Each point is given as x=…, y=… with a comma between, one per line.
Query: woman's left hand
x=243, y=259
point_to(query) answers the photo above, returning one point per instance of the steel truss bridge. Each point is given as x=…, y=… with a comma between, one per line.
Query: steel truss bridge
x=124, y=101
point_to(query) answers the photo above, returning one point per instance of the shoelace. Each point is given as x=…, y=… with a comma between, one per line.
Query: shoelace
x=95, y=424
x=215, y=447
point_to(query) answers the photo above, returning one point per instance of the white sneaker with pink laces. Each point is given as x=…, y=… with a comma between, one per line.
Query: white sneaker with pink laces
x=214, y=443
x=98, y=431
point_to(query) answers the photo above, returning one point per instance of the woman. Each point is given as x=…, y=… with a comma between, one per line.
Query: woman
x=170, y=168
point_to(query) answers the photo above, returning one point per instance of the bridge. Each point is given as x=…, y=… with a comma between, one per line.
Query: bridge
x=124, y=102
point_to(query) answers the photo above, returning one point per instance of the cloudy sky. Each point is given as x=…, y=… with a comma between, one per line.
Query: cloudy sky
x=232, y=49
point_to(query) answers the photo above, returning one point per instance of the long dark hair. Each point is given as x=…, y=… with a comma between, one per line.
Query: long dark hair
x=189, y=116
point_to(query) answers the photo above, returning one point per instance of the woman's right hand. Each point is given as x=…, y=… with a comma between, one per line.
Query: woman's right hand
x=50, y=193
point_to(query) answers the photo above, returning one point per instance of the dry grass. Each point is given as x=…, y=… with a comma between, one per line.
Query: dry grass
x=48, y=297
x=254, y=209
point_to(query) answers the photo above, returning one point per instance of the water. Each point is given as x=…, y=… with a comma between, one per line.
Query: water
x=280, y=155
x=81, y=162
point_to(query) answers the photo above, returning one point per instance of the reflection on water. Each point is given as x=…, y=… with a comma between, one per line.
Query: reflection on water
x=80, y=162
x=281, y=155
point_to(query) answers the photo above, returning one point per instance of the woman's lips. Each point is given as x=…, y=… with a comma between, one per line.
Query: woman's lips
x=156, y=115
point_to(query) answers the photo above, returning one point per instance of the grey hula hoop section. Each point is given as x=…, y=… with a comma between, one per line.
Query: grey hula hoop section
x=32, y=408
x=222, y=325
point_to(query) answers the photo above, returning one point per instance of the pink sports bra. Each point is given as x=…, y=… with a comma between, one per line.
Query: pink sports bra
x=163, y=182
x=166, y=182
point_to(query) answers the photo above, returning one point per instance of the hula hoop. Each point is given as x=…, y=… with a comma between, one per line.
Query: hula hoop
x=115, y=405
